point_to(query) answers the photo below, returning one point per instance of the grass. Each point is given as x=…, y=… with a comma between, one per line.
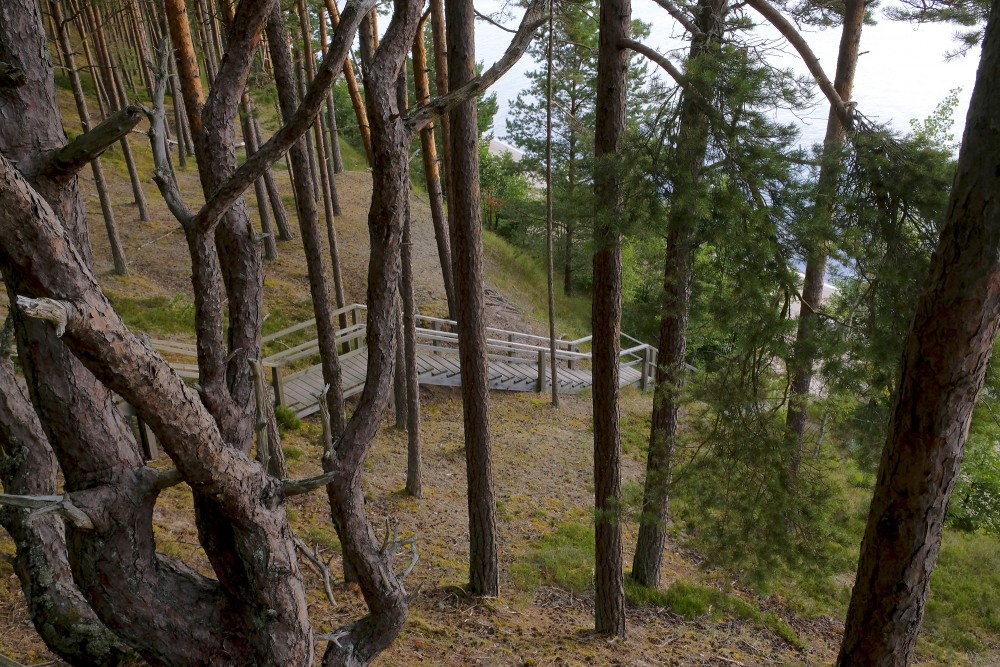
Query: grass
x=158, y=314
x=693, y=601
x=563, y=558
x=963, y=612
x=517, y=272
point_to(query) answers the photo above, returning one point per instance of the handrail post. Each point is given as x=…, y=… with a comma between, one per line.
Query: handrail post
x=278, y=385
x=434, y=340
x=572, y=360
x=541, y=371
x=355, y=320
x=644, y=376
x=510, y=350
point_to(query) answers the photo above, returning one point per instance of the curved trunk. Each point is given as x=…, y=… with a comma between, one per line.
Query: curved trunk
x=946, y=358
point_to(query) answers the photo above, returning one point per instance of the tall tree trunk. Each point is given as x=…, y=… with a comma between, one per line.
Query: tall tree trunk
x=117, y=253
x=116, y=99
x=801, y=366
x=442, y=82
x=357, y=102
x=683, y=222
x=331, y=112
x=467, y=255
x=612, y=70
x=946, y=358
x=428, y=149
x=550, y=262
x=414, y=483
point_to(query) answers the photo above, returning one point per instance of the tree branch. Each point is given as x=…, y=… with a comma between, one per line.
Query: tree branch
x=163, y=171
x=426, y=114
x=45, y=504
x=774, y=17
x=297, y=487
x=277, y=145
x=656, y=57
x=681, y=17
x=78, y=153
x=49, y=310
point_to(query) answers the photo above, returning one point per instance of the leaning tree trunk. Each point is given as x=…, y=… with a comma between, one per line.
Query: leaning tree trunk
x=612, y=70
x=801, y=366
x=682, y=225
x=428, y=149
x=467, y=256
x=357, y=103
x=945, y=361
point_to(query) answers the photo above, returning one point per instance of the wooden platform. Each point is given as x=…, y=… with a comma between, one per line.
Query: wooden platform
x=518, y=361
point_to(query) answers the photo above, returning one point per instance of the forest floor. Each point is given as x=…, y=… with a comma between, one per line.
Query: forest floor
x=543, y=462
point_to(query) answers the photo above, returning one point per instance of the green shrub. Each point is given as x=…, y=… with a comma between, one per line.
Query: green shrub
x=287, y=419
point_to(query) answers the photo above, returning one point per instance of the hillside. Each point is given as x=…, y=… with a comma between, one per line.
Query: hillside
x=543, y=462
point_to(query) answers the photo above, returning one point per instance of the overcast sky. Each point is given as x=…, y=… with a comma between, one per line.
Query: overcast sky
x=902, y=73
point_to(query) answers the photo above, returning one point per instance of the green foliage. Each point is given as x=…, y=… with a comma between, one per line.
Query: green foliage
x=286, y=418
x=892, y=198
x=563, y=558
x=158, y=314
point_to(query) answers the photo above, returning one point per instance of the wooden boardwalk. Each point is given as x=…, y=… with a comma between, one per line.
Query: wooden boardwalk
x=518, y=361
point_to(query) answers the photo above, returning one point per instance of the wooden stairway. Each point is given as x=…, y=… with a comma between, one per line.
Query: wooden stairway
x=517, y=361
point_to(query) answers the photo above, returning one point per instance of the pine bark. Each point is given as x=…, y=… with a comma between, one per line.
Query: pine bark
x=612, y=69
x=117, y=252
x=467, y=256
x=428, y=150
x=682, y=225
x=804, y=352
x=946, y=358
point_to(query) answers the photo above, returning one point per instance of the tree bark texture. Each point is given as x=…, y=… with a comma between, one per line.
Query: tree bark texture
x=612, y=69
x=168, y=613
x=117, y=253
x=428, y=150
x=812, y=288
x=683, y=222
x=60, y=613
x=467, y=257
x=945, y=361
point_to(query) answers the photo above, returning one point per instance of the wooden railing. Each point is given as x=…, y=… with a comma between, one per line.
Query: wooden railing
x=436, y=336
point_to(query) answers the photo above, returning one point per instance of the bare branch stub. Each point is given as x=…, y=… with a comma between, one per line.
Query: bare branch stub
x=46, y=309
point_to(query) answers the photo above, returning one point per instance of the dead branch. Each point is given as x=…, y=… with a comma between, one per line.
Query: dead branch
x=263, y=446
x=45, y=504
x=296, y=487
x=49, y=310
x=80, y=152
x=163, y=171
x=322, y=569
